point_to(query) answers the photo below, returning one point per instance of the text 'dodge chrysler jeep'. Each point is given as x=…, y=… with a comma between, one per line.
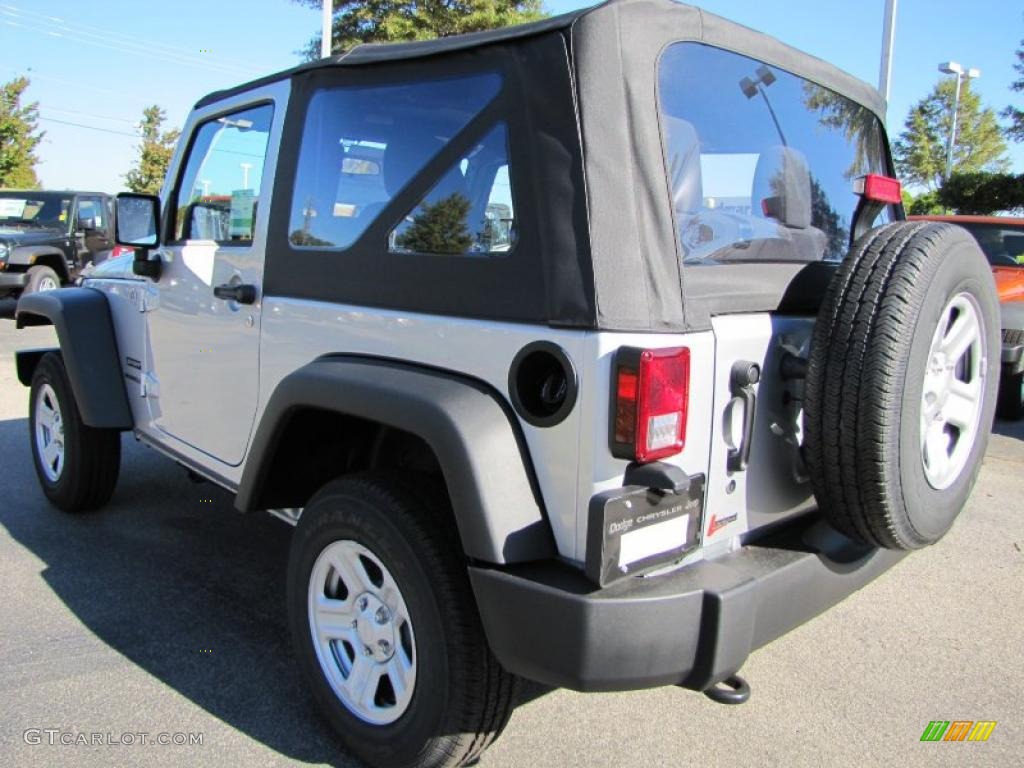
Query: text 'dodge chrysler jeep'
x=595, y=352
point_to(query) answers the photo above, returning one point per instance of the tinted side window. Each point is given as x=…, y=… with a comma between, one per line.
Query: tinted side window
x=761, y=162
x=362, y=145
x=92, y=208
x=469, y=211
x=219, y=190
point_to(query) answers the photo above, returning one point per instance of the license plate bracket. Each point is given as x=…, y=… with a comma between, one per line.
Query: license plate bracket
x=633, y=530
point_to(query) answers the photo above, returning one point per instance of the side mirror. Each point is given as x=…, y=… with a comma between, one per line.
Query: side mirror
x=87, y=224
x=138, y=220
x=138, y=226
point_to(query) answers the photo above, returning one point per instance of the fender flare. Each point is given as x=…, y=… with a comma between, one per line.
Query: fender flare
x=482, y=454
x=89, y=348
x=27, y=255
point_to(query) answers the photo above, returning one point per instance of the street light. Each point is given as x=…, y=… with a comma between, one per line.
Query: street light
x=953, y=68
x=763, y=77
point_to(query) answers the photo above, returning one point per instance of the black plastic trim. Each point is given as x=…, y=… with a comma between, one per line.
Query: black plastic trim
x=89, y=348
x=694, y=627
x=12, y=281
x=486, y=467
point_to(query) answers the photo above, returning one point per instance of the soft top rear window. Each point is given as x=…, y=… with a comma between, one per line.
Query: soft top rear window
x=761, y=162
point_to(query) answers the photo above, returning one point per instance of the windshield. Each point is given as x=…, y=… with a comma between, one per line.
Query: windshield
x=1003, y=245
x=761, y=162
x=35, y=209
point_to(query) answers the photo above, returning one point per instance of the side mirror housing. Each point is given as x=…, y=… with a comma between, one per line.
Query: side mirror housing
x=138, y=226
x=138, y=220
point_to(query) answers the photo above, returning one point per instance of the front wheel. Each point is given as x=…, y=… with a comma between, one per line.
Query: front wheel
x=77, y=465
x=386, y=629
x=41, y=278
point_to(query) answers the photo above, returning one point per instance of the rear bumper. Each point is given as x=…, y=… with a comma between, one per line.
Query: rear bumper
x=12, y=282
x=694, y=627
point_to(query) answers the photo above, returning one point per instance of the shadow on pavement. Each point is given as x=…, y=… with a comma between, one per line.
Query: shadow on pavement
x=1009, y=429
x=170, y=568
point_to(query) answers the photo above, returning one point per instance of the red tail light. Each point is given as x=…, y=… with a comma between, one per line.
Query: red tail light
x=120, y=250
x=880, y=189
x=652, y=392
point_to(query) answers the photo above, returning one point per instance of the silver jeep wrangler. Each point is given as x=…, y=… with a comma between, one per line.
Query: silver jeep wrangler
x=595, y=352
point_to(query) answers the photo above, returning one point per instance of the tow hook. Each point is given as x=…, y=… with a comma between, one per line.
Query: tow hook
x=732, y=690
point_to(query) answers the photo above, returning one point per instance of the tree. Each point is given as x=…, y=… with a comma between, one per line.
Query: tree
x=1015, y=114
x=920, y=151
x=385, y=21
x=19, y=136
x=439, y=228
x=154, y=153
x=983, y=193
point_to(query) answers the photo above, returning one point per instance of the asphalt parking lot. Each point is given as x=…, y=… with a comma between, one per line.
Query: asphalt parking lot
x=164, y=613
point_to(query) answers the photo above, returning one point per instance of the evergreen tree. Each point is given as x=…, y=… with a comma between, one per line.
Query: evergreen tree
x=920, y=152
x=19, y=136
x=154, y=153
x=385, y=21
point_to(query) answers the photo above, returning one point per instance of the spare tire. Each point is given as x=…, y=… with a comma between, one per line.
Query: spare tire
x=901, y=384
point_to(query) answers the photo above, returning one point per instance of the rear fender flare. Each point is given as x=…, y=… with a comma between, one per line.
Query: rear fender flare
x=475, y=438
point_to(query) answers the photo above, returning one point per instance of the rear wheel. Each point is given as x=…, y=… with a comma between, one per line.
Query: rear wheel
x=386, y=629
x=77, y=465
x=1011, y=385
x=42, y=278
x=901, y=384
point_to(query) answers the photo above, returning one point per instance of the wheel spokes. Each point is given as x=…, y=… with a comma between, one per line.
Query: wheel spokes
x=962, y=403
x=362, y=632
x=334, y=618
x=960, y=335
x=937, y=448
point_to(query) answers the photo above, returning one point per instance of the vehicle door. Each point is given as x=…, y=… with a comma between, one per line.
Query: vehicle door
x=91, y=229
x=204, y=322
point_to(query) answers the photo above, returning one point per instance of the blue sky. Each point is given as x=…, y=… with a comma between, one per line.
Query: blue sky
x=98, y=64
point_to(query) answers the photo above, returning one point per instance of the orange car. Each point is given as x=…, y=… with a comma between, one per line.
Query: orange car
x=1002, y=240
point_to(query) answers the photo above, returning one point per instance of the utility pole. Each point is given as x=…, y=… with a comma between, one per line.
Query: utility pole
x=888, y=41
x=327, y=25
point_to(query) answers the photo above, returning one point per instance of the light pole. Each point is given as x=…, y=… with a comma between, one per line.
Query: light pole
x=952, y=68
x=245, y=174
x=888, y=38
x=327, y=8
x=763, y=77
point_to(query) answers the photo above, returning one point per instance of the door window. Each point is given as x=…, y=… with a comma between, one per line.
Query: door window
x=92, y=208
x=218, y=192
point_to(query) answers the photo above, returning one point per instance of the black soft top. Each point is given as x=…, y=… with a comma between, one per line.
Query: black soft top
x=693, y=24
x=604, y=239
